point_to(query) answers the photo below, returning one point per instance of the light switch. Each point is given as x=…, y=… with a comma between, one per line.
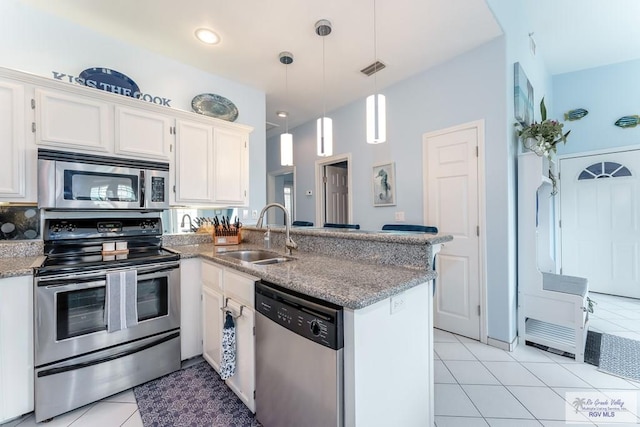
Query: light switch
x=400, y=216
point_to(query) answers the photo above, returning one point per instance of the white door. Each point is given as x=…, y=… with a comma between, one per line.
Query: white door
x=600, y=214
x=337, y=195
x=450, y=167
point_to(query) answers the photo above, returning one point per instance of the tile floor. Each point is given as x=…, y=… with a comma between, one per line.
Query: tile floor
x=616, y=316
x=475, y=384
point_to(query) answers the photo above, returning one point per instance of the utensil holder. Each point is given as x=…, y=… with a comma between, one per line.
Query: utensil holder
x=221, y=237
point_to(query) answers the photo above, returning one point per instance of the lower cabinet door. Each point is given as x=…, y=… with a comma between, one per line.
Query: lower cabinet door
x=212, y=303
x=16, y=347
x=243, y=381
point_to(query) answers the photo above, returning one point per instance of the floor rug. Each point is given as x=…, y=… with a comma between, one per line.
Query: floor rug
x=620, y=356
x=193, y=396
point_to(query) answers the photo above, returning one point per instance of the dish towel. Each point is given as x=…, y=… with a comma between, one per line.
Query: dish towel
x=228, y=364
x=122, y=300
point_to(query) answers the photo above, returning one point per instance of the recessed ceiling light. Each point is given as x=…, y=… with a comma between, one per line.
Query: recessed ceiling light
x=282, y=114
x=207, y=36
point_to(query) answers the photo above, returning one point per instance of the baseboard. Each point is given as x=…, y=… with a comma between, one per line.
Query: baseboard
x=503, y=345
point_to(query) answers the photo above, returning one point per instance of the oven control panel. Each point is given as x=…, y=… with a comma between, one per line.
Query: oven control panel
x=77, y=228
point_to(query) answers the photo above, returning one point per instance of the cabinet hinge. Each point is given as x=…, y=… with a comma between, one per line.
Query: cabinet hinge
x=254, y=394
x=245, y=144
x=478, y=309
x=254, y=331
x=174, y=188
x=33, y=104
x=324, y=179
x=245, y=193
x=477, y=151
x=33, y=127
x=560, y=224
x=478, y=230
x=171, y=148
x=560, y=270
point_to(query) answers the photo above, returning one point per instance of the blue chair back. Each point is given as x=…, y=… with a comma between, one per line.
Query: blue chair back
x=302, y=224
x=410, y=227
x=332, y=225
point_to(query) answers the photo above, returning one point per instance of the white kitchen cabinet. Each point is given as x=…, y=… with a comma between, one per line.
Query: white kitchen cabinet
x=211, y=163
x=243, y=382
x=231, y=168
x=225, y=288
x=17, y=175
x=142, y=133
x=212, y=303
x=66, y=120
x=194, y=163
x=16, y=347
x=190, y=308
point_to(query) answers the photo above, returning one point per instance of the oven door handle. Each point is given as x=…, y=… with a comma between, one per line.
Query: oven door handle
x=155, y=269
x=143, y=190
x=76, y=284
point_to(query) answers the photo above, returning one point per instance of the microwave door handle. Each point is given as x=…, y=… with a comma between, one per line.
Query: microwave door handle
x=142, y=189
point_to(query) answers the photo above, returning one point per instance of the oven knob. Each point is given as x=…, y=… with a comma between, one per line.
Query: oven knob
x=315, y=328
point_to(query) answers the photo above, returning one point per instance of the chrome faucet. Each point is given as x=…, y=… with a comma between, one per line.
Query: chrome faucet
x=289, y=244
x=190, y=223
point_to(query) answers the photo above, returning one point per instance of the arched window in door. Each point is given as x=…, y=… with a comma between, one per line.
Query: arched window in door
x=604, y=170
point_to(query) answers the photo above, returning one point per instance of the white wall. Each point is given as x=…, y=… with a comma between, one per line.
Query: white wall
x=608, y=94
x=467, y=88
x=40, y=43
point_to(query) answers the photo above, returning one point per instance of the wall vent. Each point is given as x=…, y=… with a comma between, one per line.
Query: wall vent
x=373, y=68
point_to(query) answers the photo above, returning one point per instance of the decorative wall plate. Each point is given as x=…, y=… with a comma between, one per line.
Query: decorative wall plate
x=213, y=105
x=105, y=79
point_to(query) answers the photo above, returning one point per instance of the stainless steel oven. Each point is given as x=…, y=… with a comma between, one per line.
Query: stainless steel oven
x=84, y=181
x=105, y=321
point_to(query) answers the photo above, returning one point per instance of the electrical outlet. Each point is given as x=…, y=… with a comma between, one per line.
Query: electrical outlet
x=254, y=214
x=400, y=216
x=397, y=303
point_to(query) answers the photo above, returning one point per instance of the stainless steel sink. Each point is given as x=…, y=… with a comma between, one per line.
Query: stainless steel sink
x=256, y=256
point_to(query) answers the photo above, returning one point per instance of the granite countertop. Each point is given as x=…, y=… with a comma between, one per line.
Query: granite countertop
x=347, y=283
x=18, y=266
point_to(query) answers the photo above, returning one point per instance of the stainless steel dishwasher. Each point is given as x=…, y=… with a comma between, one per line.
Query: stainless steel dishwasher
x=299, y=359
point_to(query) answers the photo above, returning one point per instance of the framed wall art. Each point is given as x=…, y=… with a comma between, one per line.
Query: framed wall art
x=384, y=184
x=522, y=96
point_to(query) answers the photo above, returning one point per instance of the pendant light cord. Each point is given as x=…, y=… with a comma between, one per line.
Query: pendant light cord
x=375, y=52
x=286, y=94
x=324, y=85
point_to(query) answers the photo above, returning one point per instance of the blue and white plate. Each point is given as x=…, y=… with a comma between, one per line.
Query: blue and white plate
x=93, y=77
x=213, y=105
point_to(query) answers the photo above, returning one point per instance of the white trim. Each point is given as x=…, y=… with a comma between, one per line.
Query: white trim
x=611, y=150
x=479, y=126
x=271, y=187
x=503, y=345
x=320, y=163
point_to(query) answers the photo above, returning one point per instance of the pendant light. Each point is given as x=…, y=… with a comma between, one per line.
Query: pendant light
x=286, y=139
x=376, y=103
x=325, y=124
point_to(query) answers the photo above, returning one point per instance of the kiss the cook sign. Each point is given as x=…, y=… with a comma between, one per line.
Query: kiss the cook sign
x=111, y=81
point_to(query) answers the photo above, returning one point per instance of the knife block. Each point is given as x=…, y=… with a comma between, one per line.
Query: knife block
x=226, y=237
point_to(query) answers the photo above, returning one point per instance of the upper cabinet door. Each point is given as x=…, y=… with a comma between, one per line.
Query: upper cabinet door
x=231, y=169
x=12, y=140
x=73, y=122
x=194, y=162
x=143, y=133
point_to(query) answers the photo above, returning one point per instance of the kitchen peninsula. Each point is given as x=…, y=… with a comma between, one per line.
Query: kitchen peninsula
x=384, y=282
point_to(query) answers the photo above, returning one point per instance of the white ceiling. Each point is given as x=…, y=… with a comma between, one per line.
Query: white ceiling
x=413, y=35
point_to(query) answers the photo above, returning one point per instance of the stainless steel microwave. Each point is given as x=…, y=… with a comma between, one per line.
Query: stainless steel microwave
x=85, y=181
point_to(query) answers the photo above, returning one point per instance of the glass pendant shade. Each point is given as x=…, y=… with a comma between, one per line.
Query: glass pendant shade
x=376, y=119
x=286, y=149
x=325, y=137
